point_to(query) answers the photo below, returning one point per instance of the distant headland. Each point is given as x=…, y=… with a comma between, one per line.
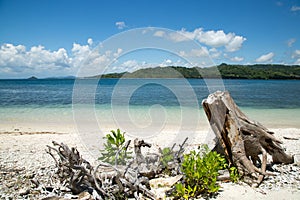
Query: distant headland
x=226, y=71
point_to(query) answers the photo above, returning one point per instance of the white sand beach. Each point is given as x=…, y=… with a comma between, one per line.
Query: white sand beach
x=23, y=146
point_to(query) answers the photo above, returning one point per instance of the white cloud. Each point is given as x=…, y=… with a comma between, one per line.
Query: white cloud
x=215, y=38
x=159, y=33
x=17, y=58
x=181, y=36
x=166, y=62
x=179, y=62
x=93, y=61
x=118, y=53
x=90, y=41
x=295, y=8
x=38, y=60
x=129, y=63
x=237, y=59
x=265, y=58
x=230, y=41
x=201, y=52
x=11, y=55
x=290, y=42
x=217, y=41
x=79, y=52
x=42, y=58
x=297, y=62
x=120, y=25
x=219, y=38
x=132, y=65
x=235, y=44
x=214, y=53
x=296, y=55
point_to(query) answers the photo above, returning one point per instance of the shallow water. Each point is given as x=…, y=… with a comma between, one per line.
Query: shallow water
x=144, y=104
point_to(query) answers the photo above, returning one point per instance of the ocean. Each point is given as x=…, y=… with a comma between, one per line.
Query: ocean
x=144, y=104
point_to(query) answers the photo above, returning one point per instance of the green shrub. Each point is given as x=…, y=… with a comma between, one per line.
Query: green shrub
x=200, y=170
x=115, y=143
x=167, y=156
x=234, y=174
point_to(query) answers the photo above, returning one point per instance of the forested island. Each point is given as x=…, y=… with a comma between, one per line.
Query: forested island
x=227, y=71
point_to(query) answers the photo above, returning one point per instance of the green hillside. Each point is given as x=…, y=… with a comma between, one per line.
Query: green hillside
x=258, y=71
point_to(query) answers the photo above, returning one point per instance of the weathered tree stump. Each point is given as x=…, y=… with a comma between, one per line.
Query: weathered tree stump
x=241, y=139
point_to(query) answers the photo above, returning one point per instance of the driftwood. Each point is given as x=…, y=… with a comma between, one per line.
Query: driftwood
x=70, y=164
x=138, y=144
x=242, y=140
x=106, y=181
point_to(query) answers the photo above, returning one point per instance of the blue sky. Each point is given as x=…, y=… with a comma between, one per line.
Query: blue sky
x=51, y=37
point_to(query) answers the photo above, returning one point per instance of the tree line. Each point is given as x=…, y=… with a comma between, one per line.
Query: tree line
x=225, y=71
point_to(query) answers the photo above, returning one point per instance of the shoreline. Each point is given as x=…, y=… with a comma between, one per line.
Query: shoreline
x=14, y=139
x=132, y=118
x=154, y=136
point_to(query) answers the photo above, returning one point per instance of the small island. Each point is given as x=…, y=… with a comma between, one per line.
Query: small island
x=32, y=78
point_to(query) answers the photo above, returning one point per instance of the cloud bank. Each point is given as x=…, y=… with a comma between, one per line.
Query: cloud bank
x=37, y=60
x=22, y=61
x=214, y=39
x=17, y=59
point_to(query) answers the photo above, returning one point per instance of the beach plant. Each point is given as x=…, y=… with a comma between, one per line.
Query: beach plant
x=234, y=174
x=115, y=149
x=167, y=156
x=200, y=169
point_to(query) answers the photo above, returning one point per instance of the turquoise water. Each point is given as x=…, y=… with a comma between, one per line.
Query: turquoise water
x=144, y=103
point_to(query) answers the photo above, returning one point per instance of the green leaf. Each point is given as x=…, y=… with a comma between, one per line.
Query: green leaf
x=114, y=142
x=111, y=140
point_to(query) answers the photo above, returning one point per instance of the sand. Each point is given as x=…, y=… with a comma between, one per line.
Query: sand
x=24, y=146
